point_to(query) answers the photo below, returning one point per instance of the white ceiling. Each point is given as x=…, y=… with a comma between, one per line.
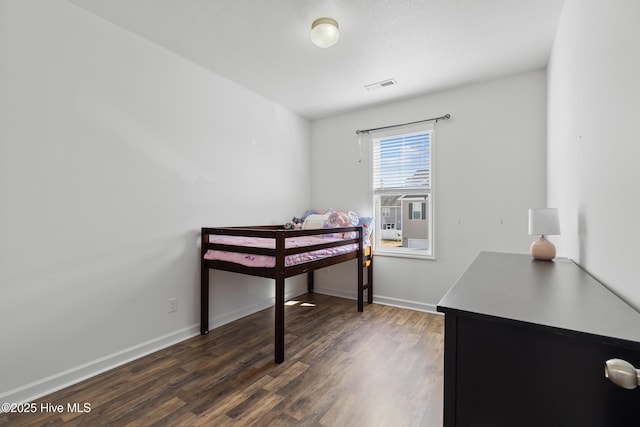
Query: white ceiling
x=425, y=45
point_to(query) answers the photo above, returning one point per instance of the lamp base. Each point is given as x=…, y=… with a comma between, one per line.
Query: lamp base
x=543, y=249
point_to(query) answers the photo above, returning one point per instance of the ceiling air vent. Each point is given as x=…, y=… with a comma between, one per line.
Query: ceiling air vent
x=379, y=85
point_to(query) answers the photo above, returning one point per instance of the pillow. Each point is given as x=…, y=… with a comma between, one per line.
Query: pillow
x=314, y=221
x=343, y=219
x=307, y=213
x=366, y=223
x=332, y=218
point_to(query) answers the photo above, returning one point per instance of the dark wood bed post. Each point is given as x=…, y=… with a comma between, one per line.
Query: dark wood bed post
x=279, y=319
x=310, y=281
x=204, y=285
x=360, y=273
x=370, y=278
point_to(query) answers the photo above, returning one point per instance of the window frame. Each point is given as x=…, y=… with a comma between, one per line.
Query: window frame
x=406, y=252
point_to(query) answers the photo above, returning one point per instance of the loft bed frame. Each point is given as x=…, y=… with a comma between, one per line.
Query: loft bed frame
x=280, y=271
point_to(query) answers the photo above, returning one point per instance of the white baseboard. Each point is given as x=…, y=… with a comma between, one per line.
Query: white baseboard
x=379, y=299
x=52, y=383
x=402, y=303
x=37, y=389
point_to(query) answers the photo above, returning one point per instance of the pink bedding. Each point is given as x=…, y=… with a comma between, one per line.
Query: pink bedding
x=252, y=260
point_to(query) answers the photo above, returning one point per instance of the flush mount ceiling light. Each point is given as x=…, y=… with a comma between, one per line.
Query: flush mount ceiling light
x=324, y=32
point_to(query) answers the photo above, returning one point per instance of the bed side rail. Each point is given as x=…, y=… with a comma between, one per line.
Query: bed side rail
x=279, y=235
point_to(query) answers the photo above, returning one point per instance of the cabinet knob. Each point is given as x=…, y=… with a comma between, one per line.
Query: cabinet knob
x=622, y=373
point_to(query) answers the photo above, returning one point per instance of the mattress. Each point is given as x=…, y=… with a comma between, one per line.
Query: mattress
x=253, y=260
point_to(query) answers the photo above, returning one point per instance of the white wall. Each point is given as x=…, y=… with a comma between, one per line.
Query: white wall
x=489, y=170
x=113, y=153
x=594, y=178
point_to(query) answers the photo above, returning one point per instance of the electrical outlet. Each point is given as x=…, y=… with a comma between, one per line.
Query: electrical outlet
x=173, y=305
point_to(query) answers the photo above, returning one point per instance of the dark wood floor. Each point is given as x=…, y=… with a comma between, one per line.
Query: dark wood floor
x=383, y=367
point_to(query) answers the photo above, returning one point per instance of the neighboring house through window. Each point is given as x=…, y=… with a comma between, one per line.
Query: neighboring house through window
x=402, y=183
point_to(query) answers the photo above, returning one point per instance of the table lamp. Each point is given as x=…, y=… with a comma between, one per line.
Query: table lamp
x=543, y=222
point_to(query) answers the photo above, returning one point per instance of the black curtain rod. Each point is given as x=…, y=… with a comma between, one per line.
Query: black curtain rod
x=445, y=117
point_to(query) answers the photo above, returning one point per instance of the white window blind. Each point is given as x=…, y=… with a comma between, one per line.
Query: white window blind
x=402, y=186
x=402, y=164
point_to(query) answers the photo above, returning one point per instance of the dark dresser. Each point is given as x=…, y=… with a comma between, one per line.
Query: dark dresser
x=526, y=344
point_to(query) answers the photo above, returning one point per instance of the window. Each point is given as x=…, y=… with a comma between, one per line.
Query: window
x=418, y=210
x=403, y=192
